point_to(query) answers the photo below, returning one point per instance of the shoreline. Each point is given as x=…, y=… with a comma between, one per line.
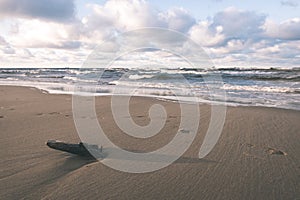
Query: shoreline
x=244, y=87
x=162, y=98
x=245, y=164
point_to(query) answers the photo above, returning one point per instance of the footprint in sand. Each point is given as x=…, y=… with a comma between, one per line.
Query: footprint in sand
x=7, y=108
x=172, y=116
x=249, y=145
x=250, y=151
x=273, y=151
x=51, y=113
x=1, y=116
x=54, y=113
x=260, y=150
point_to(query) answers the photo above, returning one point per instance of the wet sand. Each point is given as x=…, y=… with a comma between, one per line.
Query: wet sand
x=257, y=156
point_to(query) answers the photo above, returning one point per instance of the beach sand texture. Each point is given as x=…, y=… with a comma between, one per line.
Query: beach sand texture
x=256, y=157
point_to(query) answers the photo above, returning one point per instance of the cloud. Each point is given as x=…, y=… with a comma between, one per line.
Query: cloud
x=262, y=53
x=49, y=32
x=237, y=23
x=42, y=34
x=116, y=16
x=27, y=53
x=3, y=41
x=287, y=30
x=284, y=53
x=205, y=35
x=237, y=36
x=227, y=25
x=289, y=3
x=178, y=19
x=6, y=47
x=56, y=10
x=65, y=45
x=122, y=15
x=235, y=46
x=119, y=16
x=8, y=50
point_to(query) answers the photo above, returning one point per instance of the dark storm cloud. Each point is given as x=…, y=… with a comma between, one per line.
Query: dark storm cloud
x=56, y=10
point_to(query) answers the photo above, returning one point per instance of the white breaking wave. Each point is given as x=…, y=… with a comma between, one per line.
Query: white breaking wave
x=270, y=87
x=137, y=77
x=256, y=88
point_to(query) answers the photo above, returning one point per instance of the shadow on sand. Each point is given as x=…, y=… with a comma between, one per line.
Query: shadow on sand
x=194, y=160
x=73, y=162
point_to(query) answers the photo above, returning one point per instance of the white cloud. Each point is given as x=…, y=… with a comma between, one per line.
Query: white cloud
x=41, y=34
x=178, y=19
x=239, y=23
x=287, y=30
x=235, y=46
x=237, y=36
x=204, y=35
x=119, y=16
x=232, y=35
x=230, y=24
x=122, y=15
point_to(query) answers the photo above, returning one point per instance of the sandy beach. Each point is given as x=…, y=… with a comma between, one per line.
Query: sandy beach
x=257, y=156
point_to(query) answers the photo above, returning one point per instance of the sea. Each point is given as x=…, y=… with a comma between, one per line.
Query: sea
x=267, y=87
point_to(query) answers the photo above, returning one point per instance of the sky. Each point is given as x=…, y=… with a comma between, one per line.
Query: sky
x=62, y=33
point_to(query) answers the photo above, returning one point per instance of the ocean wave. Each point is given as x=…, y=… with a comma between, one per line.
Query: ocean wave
x=71, y=78
x=50, y=76
x=266, y=86
x=137, y=77
x=256, y=88
x=270, y=69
